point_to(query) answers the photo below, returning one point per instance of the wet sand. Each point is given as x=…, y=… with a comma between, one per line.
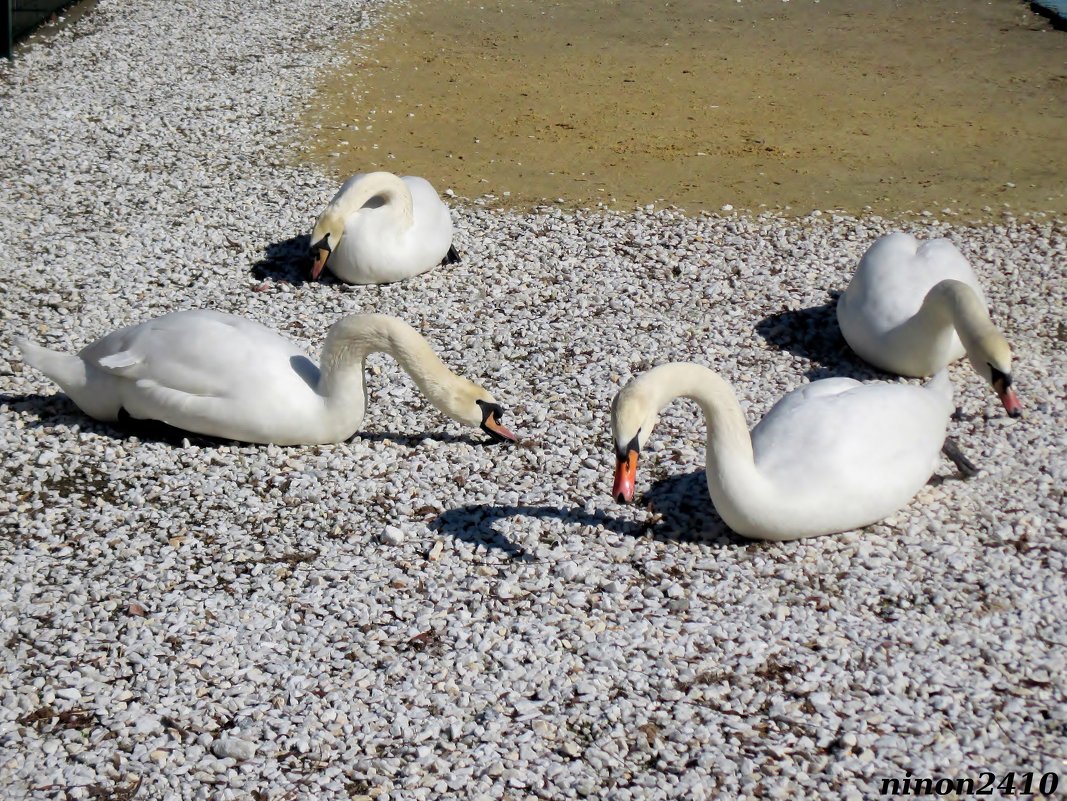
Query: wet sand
x=890, y=108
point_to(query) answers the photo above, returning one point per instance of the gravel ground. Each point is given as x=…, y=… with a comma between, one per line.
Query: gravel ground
x=417, y=614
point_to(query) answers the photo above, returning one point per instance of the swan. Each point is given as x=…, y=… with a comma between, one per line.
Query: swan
x=913, y=308
x=380, y=228
x=830, y=456
x=225, y=376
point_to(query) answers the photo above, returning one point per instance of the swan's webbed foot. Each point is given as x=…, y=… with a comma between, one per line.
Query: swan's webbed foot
x=452, y=257
x=951, y=449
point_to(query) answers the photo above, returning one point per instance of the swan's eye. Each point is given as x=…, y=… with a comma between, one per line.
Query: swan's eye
x=998, y=379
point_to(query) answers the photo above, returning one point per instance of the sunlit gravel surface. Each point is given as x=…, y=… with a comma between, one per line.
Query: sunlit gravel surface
x=416, y=613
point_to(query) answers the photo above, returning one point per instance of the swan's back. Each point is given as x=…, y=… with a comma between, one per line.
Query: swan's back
x=377, y=248
x=893, y=278
x=199, y=351
x=888, y=289
x=210, y=373
x=841, y=454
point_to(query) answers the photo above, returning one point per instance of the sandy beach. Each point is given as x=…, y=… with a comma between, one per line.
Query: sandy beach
x=950, y=108
x=417, y=613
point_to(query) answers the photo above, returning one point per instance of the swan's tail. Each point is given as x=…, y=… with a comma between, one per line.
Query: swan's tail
x=65, y=369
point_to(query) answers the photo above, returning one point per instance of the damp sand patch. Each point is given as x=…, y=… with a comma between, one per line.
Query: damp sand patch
x=859, y=106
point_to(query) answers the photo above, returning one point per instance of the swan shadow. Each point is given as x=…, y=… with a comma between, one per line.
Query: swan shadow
x=474, y=524
x=813, y=334
x=52, y=410
x=412, y=440
x=43, y=411
x=286, y=261
x=46, y=409
x=680, y=511
x=685, y=513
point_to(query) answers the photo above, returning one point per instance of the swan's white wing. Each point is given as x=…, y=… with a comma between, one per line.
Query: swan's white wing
x=847, y=440
x=197, y=353
x=380, y=246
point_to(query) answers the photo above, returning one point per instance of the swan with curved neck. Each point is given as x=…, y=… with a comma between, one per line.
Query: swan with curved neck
x=381, y=227
x=912, y=309
x=830, y=456
x=225, y=376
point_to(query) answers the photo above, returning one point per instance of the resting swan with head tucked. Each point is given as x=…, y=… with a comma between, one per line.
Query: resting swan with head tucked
x=381, y=228
x=830, y=456
x=225, y=376
x=912, y=309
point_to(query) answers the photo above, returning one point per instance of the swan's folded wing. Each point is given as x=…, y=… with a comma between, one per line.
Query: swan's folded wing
x=823, y=388
x=206, y=358
x=173, y=406
x=877, y=430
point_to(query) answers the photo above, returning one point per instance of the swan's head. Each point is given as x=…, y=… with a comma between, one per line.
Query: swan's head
x=990, y=356
x=471, y=405
x=325, y=238
x=633, y=416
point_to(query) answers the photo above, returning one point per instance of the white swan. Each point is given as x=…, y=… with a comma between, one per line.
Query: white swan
x=381, y=228
x=830, y=456
x=225, y=376
x=912, y=309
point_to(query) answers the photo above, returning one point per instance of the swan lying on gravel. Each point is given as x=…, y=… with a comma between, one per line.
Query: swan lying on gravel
x=912, y=309
x=830, y=456
x=381, y=228
x=225, y=376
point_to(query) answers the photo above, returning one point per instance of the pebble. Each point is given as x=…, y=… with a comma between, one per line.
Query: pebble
x=391, y=535
x=233, y=747
x=154, y=592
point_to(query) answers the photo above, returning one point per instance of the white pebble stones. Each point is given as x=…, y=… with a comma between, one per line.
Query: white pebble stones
x=233, y=747
x=415, y=614
x=391, y=535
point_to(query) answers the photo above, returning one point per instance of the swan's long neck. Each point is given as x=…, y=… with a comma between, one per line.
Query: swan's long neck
x=950, y=307
x=389, y=187
x=736, y=487
x=353, y=338
x=970, y=319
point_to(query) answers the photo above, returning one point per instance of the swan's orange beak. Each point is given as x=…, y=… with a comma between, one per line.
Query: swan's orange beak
x=318, y=261
x=1002, y=385
x=492, y=413
x=1011, y=402
x=497, y=430
x=625, y=477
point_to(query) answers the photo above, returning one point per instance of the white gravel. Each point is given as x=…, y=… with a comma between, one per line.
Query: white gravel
x=417, y=614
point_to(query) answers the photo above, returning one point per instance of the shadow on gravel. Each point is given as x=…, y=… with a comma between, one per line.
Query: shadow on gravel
x=679, y=511
x=813, y=334
x=413, y=440
x=286, y=261
x=43, y=411
x=55, y=409
x=474, y=524
x=59, y=410
x=682, y=511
